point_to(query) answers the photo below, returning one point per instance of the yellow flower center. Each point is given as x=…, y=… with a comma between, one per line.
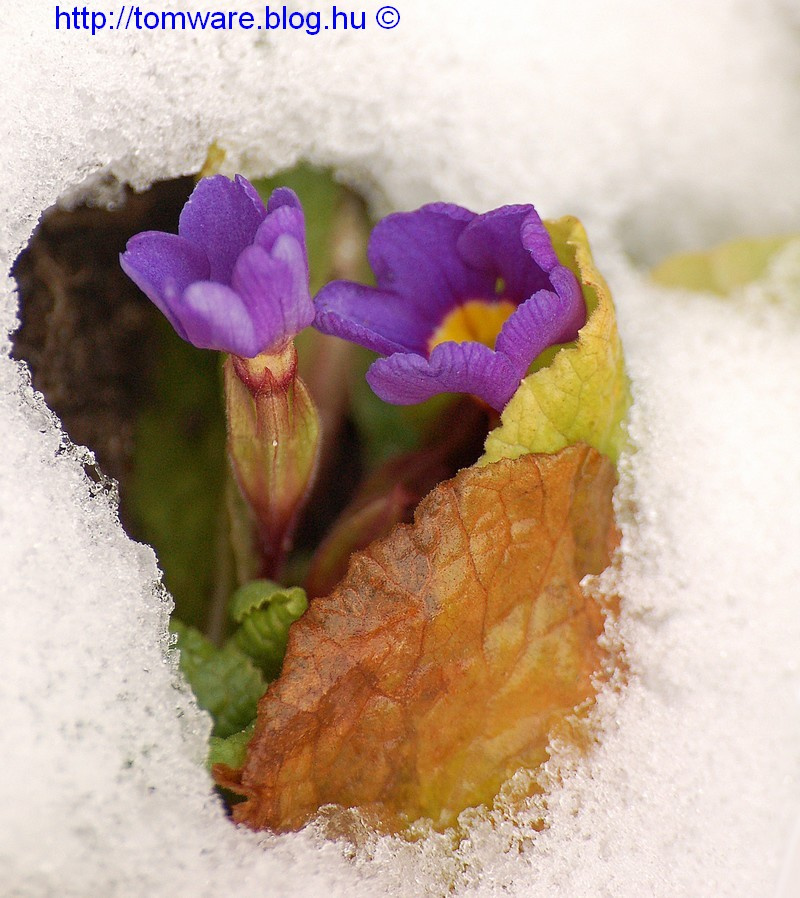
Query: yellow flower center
x=476, y=321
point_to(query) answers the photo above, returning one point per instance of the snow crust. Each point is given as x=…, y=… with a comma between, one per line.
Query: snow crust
x=663, y=127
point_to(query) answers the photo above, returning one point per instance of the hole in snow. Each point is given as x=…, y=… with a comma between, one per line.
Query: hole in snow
x=86, y=332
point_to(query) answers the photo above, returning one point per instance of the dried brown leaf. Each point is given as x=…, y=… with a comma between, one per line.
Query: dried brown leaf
x=445, y=657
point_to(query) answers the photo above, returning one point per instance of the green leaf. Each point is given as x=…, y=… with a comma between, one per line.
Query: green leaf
x=225, y=681
x=577, y=393
x=175, y=492
x=722, y=269
x=264, y=611
x=232, y=750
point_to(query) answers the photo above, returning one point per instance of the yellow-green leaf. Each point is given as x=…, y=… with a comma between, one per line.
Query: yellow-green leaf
x=578, y=393
x=721, y=269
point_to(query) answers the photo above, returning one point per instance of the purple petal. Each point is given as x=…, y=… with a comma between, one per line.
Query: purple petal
x=510, y=243
x=404, y=379
x=274, y=289
x=566, y=285
x=215, y=317
x=282, y=220
x=415, y=255
x=537, y=240
x=255, y=197
x=162, y=266
x=543, y=320
x=222, y=218
x=383, y=322
x=283, y=196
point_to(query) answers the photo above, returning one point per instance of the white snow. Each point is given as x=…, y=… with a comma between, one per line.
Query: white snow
x=664, y=126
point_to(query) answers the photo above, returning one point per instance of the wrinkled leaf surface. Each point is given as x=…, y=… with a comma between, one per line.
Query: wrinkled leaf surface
x=225, y=681
x=445, y=657
x=265, y=611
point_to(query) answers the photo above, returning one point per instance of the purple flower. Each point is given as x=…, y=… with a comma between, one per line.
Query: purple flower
x=235, y=277
x=464, y=302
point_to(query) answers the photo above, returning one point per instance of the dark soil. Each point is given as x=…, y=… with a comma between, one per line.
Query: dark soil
x=87, y=333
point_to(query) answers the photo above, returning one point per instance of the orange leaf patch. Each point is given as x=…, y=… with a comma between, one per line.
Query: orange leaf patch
x=441, y=663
